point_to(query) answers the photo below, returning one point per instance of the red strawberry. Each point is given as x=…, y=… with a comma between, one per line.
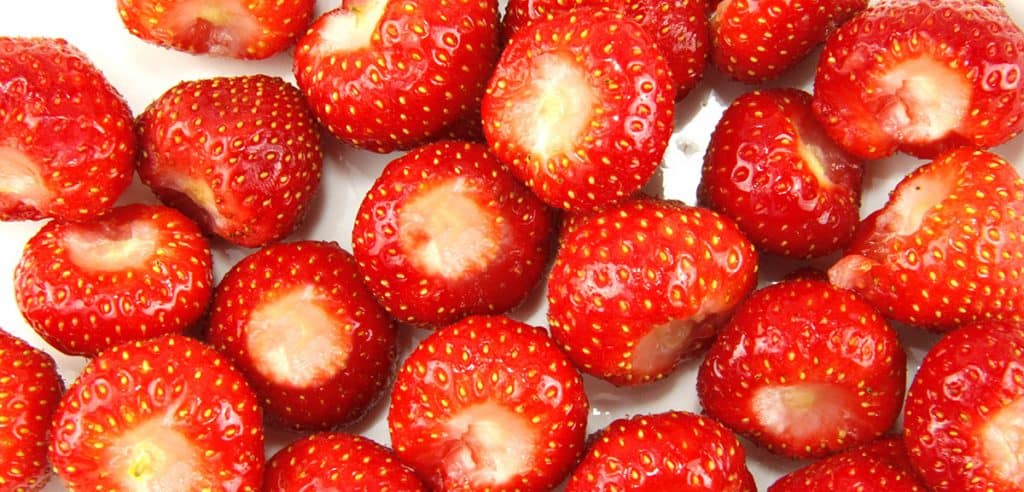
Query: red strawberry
x=239, y=155
x=234, y=28
x=446, y=232
x=804, y=369
x=581, y=108
x=638, y=287
x=489, y=404
x=757, y=40
x=676, y=451
x=880, y=466
x=138, y=272
x=336, y=461
x=772, y=169
x=298, y=322
x=66, y=140
x=161, y=414
x=388, y=74
x=29, y=393
x=922, y=76
x=946, y=250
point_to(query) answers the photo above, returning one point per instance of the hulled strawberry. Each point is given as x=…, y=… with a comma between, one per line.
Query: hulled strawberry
x=162, y=414
x=677, y=451
x=581, y=108
x=138, y=272
x=640, y=286
x=771, y=168
x=296, y=319
x=879, y=466
x=234, y=28
x=67, y=149
x=946, y=249
x=446, y=231
x=340, y=462
x=388, y=74
x=489, y=403
x=804, y=369
x=922, y=76
x=239, y=155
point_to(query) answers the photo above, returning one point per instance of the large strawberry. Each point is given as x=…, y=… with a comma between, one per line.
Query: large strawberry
x=946, y=249
x=338, y=461
x=922, y=76
x=879, y=466
x=67, y=148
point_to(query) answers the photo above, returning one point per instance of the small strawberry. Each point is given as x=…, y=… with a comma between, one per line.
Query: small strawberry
x=235, y=28
x=946, y=249
x=66, y=143
x=771, y=168
x=804, y=369
x=677, y=451
x=581, y=108
x=389, y=74
x=922, y=76
x=161, y=414
x=446, y=231
x=30, y=390
x=138, y=272
x=638, y=287
x=337, y=461
x=311, y=340
x=239, y=155
x=489, y=404
x=879, y=466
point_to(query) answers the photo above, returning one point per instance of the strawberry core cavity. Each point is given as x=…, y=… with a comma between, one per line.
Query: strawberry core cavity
x=219, y=27
x=555, y=109
x=1002, y=440
x=19, y=177
x=803, y=411
x=112, y=247
x=661, y=348
x=351, y=28
x=156, y=457
x=490, y=444
x=922, y=100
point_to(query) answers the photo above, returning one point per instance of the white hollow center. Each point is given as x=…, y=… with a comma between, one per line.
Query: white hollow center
x=555, y=108
x=111, y=247
x=350, y=28
x=491, y=445
x=1002, y=441
x=926, y=100
x=153, y=457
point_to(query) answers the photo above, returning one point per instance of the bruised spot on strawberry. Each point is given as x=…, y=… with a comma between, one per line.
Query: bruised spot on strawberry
x=1002, y=439
x=351, y=28
x=111, y=247
x=922, y=100
x=490, y=444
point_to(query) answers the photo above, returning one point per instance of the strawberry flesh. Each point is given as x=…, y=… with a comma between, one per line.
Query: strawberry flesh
x=1002, y=442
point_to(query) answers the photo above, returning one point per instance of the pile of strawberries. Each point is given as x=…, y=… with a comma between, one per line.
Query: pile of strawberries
x=524, y=148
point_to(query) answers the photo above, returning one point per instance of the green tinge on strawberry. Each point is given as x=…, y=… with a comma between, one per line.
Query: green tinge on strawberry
x=338, y=461
x=947, y=248
x=879, y=466
x=296, y=319
x=805, y=369
x=67, y=148
x=922, y=76
x=581, y=108
x=489, y=403
x=138, y=272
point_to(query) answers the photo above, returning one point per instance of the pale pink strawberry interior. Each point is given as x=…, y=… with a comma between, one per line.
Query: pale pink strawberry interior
x=198, y=192
x=1002, y=442
x=350, y=28
x=19, y=177
x=153, y=456
x=112, y=247
x=923, y=100
x=221, y=26
x=490, y=445
x=803, y=412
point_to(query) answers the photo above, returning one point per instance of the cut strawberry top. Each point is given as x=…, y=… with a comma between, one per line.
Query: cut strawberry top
x=219, y=27
x=921, y=100
x=490, y=443
x=111, y=247
x=803, y=412
x=350, y=29
x=1002, y=442
x=153, y=456
x=20, y=176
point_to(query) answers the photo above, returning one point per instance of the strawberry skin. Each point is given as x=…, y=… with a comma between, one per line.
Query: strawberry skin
x=138, y=272
x=338, y=461
x=771, y=168
x=922, y=76
x=489, y=403
x=446, y=231
x=879, y=466
x=677, y=451
x=162, y=414
x=296, y=319
x=66, y=139
x=581, y=108
x=239, y=155
x=945, y=250
x=640, y=286
x=805, y=370
x=388, y=74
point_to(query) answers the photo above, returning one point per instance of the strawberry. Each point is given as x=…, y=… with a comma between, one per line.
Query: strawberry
x=581, y=108
x=239, y=155
x=234, y=28
x=488, y=403
x=162, y=414
x=962, y=422
x=138, y=272
x=311, y=340
x=30, y=390
x=66, y=140
x=922, y=76
x=640, y=286
x=757, y=40
x=446, y=231
x=388, y=74
x=879, y=466
x=771, y=168
x=946, y=249
x=804, y=369
x=677, y=451
x=337, y=461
